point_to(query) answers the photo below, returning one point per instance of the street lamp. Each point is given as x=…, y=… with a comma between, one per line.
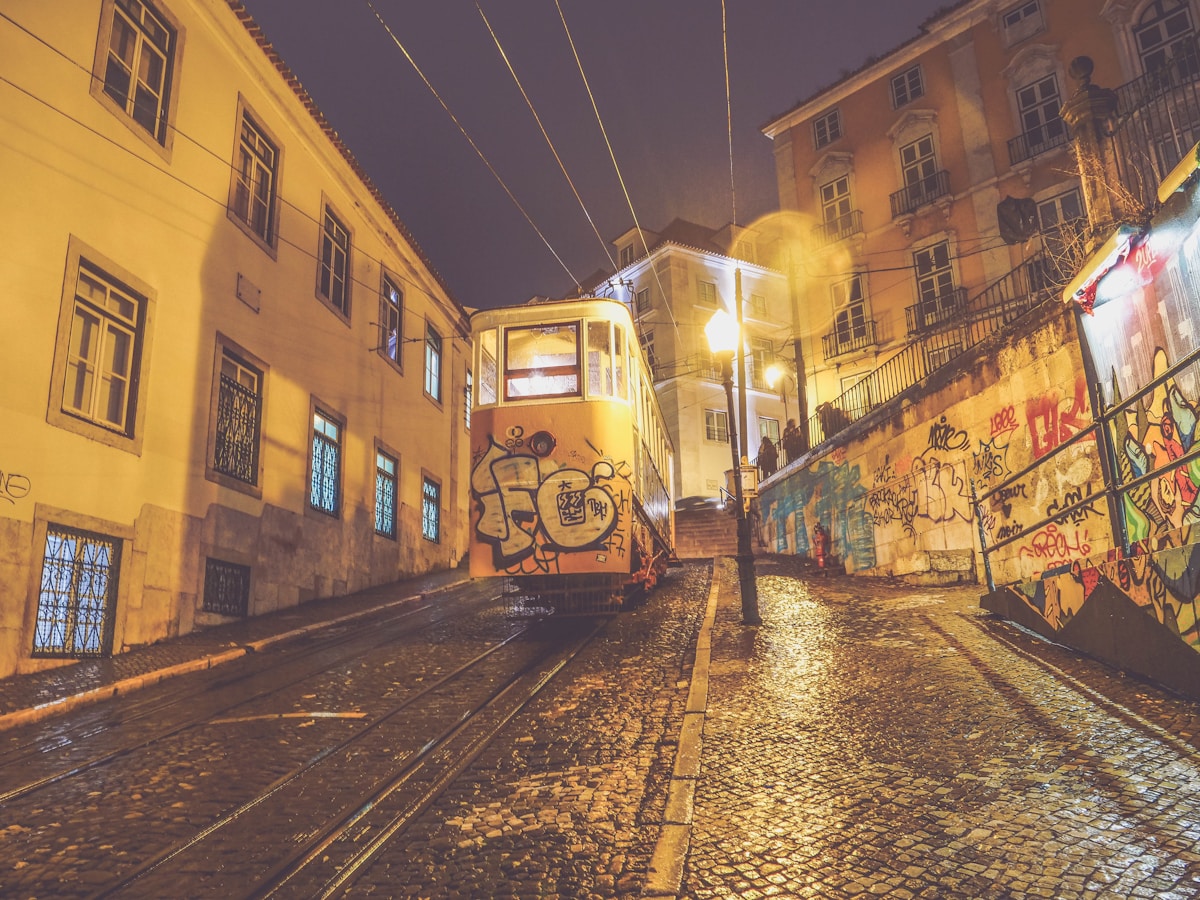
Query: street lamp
x=723, y=335
x=776, y=374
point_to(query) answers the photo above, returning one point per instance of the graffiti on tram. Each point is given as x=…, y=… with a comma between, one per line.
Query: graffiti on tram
x=532, y=514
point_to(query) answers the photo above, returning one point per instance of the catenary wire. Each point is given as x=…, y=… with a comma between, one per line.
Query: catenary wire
x=728, y=112
x=603, y=243
x=471, y=141
x=611, y=154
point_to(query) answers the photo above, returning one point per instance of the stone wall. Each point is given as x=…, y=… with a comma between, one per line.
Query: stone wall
x=895, y=489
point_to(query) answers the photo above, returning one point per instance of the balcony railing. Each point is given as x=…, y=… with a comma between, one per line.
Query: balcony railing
x=936, y=310
x=911, y=198
x=1026, y=287
x=846, y=340
x=838, y=229
x=1033, y=143
x=755, y=381
x=1157, y=122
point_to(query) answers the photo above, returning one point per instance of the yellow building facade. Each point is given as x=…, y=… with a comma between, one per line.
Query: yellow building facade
x=930, y=175
x=233, y=381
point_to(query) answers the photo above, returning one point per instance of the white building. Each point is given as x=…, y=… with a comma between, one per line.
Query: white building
x=675, y=279
x=233, y=382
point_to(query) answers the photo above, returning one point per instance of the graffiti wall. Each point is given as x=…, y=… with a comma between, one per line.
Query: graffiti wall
x=1136, y=603
x=550, y=497
x=897, y=495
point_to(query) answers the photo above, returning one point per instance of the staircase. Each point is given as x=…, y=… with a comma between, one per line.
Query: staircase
x=704, y=532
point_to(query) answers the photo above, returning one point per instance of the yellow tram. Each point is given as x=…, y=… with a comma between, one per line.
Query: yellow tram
x=571, y=464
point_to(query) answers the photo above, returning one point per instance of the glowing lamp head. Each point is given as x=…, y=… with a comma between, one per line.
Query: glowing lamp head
x=722, y=333
x=773, y=373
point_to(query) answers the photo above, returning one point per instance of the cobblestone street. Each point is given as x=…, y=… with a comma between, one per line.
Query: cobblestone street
x=869, y=739
x=878, y=740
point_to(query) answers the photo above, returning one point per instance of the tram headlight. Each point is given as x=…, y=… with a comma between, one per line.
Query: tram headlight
x=542, y=443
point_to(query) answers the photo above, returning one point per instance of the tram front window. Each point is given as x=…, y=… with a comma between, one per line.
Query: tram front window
x=542, y=361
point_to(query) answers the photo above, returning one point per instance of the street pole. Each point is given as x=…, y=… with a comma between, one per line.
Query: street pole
x=747, y=586
x=745, y=554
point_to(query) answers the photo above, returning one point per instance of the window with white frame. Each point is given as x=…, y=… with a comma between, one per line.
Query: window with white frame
x=935, y=283
x=907, y=86
x=386, y=482
x=919, y=165
x=716, y=426
x=758, y=306
x=1022, y=21
x=1061, y=221
x=747, y=250
x=827, y=128
x=433, y=363
x=1164, y=34
x=255, y=181
x=646, y=338
x=769, y=428
x=431, y=510
x=391, y=320
x=1038, y=105
x=325, y=461
x=836, y=206
x=333, y=265
x=1064, y=207
x=850, y=326
x=642, y=302
x=706, y=291
x=78, y=593
x=104, y=351
x=762, y=355
x=237, y=424
x=137, y=62
x=626, y=255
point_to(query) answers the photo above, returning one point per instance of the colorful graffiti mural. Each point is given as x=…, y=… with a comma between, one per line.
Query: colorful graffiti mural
x=1159, y=429
x=532, y=511
x=832, y=493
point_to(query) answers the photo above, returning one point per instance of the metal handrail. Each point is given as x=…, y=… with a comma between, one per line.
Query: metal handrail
x=842, y=340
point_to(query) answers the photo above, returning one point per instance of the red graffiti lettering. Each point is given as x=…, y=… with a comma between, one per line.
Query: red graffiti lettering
x=1053, y=545
x=1004, y=421
x=1052, y=421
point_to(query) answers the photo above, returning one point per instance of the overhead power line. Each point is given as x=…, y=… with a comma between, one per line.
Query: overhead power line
x=549, y=143
x=470, y=140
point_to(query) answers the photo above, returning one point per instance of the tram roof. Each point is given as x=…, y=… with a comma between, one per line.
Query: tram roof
x=551, y=311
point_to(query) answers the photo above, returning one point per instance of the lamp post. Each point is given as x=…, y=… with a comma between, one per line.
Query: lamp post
x=723, y=335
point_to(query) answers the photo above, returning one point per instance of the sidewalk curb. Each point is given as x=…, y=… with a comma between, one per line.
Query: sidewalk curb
x=117, y=688
x=207, y=661
x=664, y=878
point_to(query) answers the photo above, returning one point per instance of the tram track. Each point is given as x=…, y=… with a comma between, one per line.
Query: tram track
x=314, y=662
x=323, y=857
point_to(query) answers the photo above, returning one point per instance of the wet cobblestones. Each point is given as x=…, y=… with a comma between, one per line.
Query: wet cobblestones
x=869, y=739
x=571, y=804
x=872, y=740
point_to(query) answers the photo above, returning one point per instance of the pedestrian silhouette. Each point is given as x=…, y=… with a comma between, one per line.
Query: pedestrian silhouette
x=792, y=444
x=768, y=458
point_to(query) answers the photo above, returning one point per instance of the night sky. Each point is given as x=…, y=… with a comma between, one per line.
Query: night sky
x=656, y=71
